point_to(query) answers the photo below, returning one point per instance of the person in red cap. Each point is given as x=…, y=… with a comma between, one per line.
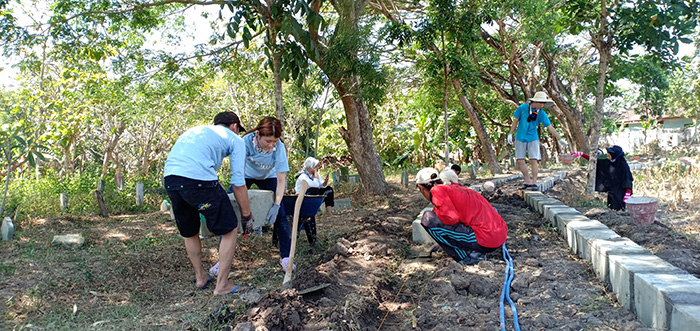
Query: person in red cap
x=462, y=222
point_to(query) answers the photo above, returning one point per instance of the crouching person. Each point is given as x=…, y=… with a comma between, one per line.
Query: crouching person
x=462, y=222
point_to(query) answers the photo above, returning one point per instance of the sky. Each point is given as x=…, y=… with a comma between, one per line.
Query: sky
x=200, y=34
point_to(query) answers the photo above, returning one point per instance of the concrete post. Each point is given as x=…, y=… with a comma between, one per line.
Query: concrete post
x=139, y=194
x=64, y=201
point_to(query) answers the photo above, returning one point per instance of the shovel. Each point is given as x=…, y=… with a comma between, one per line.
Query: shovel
x=287, y=283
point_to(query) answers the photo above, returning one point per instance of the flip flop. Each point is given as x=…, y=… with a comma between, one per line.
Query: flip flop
x=205, y=284
x=232, y=291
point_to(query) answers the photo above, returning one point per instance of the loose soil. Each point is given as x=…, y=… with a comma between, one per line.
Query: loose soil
x=133, y=273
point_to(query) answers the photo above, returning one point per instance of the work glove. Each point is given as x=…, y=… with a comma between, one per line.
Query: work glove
x=577, y=154
x=272, y=215
x=628, y=195
x=563, y=143
x=510, y=139
x=247, y=223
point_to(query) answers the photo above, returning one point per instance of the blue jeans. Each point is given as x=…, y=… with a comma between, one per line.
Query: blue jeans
x=281, y=227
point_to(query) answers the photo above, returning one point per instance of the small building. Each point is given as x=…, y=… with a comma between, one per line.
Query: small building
x=671, y=130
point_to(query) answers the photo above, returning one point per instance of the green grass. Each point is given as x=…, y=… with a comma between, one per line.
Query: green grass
x=7, y=269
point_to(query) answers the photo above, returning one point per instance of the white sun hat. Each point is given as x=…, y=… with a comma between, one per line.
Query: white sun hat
x=541, y=96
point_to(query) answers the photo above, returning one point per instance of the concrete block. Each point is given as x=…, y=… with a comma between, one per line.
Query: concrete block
x=563, y=219
x=655, y=296
x=587, y=238
x=74, y=240
x=541, y=204
x=623, y=267
x=601, y=249
x=551, y=211
x=685, y=317
x=578, y=233
x=532, y=197
x=260, y=203
x=419, y=233
x=342, y=204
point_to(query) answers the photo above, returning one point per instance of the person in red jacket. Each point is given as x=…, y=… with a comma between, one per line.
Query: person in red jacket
x=462, y=222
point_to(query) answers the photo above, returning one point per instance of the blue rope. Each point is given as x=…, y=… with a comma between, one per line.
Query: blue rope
x=505, y=292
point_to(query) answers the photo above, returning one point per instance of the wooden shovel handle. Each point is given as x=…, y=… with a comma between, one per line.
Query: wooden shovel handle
x=295, y=223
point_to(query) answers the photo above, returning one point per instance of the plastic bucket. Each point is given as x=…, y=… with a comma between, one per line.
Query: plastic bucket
x=566, y=159
x=642, y=209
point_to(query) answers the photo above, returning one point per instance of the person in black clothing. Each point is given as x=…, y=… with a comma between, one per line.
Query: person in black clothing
x=613, y=175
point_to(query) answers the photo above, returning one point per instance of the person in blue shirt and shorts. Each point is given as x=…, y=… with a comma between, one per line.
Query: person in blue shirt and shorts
x=528, y=117
x=192, y=183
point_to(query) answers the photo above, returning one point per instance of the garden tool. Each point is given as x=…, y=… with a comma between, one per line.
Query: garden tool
x=287, y=282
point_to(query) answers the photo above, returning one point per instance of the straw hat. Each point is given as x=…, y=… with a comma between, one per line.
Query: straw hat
x=541, y=96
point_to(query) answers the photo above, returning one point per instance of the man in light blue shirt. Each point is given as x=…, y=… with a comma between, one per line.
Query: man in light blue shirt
x=528, y=117
x=193, y=186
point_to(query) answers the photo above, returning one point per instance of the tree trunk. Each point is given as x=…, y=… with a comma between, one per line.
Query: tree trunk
x=109, y=150
x=489, y=152
x=358, y=137
x=604, y=49
x=276, y=65
x=571, y=118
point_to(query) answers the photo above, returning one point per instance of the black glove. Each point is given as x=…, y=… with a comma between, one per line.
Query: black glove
x=247, y=223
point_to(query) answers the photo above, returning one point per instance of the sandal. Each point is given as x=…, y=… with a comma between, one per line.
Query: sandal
x=533, y=188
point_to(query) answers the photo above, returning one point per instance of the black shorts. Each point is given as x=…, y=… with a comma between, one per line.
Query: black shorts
x=191, y=197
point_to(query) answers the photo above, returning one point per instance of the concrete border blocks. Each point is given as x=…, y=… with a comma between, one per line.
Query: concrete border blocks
x=623, y=267
x=602, y=249
x=542, y=205
x=661, y=295
x=656, y=294
x=580, y=234
x=551, y=212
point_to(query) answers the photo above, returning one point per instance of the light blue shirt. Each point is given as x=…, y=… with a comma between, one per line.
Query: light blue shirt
x=527, y=131
x=264, y=165
x=197, y=154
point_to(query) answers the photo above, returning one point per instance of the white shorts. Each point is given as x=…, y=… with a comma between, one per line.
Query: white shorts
x=531, y=148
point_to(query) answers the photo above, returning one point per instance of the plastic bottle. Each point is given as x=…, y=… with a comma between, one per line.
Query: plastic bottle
x=8, y=229
x=258, y=231
x=165, y=205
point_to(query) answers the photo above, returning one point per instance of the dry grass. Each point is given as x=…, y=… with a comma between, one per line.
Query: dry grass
x=675, y=182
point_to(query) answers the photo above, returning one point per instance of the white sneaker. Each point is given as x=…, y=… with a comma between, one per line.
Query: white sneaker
x=285, y=263
x=215, y=269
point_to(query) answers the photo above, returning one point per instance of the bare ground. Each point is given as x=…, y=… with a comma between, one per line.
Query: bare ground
x=133, y=274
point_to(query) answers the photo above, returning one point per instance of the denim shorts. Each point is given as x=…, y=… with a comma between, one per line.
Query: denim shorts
x=192, y=197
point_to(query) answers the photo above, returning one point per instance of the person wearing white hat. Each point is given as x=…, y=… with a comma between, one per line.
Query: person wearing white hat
x=528, y=117
x=317, y=186
x=462, y=221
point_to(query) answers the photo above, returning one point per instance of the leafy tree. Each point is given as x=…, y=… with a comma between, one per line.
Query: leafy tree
x=658, y=26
